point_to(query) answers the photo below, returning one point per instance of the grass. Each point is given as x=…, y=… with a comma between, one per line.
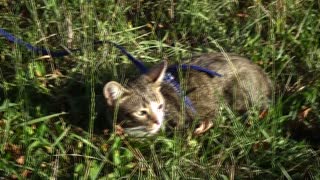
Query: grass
x=50, y=124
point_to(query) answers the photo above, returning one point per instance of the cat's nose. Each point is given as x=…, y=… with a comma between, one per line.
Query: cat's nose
x=154, y=119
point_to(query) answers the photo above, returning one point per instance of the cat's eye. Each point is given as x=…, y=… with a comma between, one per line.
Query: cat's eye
x=160, y=106
x=142, y=113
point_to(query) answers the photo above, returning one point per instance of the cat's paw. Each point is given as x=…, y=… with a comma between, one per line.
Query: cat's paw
x=263, y=114
x=119, y=130
x=204, y=126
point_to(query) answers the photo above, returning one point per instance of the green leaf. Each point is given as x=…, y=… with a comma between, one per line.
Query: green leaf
x=116, y=157
x=34, y=121
x=94, y=170
x=6, y=104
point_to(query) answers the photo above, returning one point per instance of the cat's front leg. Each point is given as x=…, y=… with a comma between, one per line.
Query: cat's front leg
x=204, y=126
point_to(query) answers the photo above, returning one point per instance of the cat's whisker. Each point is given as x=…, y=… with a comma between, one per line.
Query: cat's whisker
x=138, y=132
x=135, y=128
x=155, y=128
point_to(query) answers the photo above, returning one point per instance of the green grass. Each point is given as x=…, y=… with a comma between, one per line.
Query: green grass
x=44, y=101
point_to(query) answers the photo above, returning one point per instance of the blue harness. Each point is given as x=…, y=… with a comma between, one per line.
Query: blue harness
x=169, y=78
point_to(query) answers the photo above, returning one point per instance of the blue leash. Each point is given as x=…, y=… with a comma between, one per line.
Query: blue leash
x=169, y=78
x=143, y=69
x=174, y=69
x=40, y=51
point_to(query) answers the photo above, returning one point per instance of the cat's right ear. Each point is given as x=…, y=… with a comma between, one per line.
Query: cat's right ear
x=157, y=73
x=112, y=91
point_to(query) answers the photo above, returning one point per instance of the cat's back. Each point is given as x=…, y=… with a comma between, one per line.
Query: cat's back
x=241, y=85
x=224, y=62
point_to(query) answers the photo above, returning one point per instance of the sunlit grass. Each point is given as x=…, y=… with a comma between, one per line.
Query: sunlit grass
x=51, y=125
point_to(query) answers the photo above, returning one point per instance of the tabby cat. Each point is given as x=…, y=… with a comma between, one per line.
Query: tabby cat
x=146, y=103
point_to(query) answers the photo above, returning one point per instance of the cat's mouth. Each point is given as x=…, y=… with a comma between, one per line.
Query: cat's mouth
x=143, y=131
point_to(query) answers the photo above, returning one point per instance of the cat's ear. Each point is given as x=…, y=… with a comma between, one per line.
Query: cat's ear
x=157, y=73
x=112, y=91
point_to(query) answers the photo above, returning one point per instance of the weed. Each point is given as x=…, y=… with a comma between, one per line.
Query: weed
x=50, y=119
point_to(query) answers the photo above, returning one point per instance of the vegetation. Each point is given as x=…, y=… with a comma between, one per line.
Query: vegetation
x=45, y=100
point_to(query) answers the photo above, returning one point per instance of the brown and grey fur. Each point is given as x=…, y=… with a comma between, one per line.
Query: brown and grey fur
x=243, y=85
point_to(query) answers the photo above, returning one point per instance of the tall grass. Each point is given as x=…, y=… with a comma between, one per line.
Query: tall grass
x=50, y=120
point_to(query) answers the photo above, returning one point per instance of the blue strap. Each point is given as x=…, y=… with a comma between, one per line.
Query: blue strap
x=136, y=62
x=43, y=51
x=12, y=38
x=169, y=78
x=174, y=69
x=40, y=51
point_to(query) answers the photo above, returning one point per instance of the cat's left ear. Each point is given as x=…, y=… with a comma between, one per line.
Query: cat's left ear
x=112, y=91
x=157, y=73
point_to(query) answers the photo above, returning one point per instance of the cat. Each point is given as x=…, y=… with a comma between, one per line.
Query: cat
x=144, y=104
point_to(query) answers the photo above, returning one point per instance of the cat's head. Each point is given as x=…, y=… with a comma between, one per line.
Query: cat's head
x=139, y=105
